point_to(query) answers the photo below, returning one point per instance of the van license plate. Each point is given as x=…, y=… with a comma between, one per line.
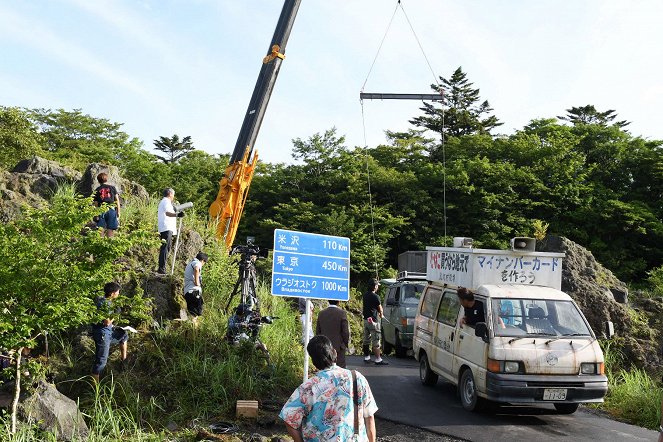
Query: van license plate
x=554, y=394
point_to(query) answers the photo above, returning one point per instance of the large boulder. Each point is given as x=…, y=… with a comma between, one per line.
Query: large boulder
x=40, y=166
x=166, y=295
x=54, y=412
x=89, y=182
x=31, y=183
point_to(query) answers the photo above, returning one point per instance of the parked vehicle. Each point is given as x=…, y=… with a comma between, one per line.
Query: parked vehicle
x=400, y=307
x=535, y=345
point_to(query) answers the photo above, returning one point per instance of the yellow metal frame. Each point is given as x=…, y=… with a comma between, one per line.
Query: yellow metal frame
x=227, y=209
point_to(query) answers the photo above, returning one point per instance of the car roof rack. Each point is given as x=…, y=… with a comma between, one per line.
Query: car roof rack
x=411, y=276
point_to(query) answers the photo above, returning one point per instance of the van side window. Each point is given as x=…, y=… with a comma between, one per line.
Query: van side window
x=430, y=302
x=397, y=296
x=449, y=307
x=390, y=296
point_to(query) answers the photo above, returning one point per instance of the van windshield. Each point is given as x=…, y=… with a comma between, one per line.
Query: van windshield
x=537, y=317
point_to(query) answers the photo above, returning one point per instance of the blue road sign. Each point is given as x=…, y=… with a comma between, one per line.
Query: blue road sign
x=310, y=265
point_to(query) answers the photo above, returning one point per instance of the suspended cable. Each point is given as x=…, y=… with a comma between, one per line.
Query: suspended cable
x=370, y=195
x=441, y=91
x=380, y=47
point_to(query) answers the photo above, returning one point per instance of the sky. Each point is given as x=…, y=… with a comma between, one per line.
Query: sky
x=188, y=67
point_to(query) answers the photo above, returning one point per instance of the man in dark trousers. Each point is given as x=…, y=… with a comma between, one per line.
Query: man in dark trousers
x=372, y=313
x=333, y=323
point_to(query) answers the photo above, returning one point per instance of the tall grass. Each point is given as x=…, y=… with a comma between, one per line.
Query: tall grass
x=633, y=395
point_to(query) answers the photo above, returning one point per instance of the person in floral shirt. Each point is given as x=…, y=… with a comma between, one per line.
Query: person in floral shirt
x=321, y=409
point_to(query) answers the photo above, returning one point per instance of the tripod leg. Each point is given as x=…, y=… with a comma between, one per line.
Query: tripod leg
x=233, y=294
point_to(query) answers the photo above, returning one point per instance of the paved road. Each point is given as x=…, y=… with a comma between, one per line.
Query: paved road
x=402, y=398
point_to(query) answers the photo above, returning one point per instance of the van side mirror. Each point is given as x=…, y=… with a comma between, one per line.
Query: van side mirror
x=481, y=330
x=609, y=329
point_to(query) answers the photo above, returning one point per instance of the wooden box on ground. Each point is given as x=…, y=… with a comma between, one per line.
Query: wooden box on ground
x=247, y=409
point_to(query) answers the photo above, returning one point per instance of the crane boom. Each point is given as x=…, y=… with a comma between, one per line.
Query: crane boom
x=227, y=209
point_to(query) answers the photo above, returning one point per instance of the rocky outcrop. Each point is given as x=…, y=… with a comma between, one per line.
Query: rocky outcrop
x=33, y=181
x=54, y=412
x=89, y=182
x=602, y=297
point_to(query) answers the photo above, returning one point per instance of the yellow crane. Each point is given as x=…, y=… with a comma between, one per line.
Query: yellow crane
x=226, y=210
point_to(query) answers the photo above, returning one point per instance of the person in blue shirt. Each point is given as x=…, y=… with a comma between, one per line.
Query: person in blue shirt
x=104, y=334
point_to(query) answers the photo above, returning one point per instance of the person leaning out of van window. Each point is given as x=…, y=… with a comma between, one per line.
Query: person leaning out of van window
x=473, y=308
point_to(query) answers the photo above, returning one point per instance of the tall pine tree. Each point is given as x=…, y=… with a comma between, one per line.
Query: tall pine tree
x=464, y=113
x=173, y=148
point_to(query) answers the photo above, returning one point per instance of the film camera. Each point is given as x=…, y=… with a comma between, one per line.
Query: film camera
x=249, y=250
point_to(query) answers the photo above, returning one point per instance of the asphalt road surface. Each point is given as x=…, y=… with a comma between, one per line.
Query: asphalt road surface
x=402, y=398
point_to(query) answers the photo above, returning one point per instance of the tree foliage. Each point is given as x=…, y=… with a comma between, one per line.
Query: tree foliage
x=18, y=136
x=50, y=272
x=174, y=148
x=461, y=111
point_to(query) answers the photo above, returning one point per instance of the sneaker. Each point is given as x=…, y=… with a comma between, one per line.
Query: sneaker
x=381, y=362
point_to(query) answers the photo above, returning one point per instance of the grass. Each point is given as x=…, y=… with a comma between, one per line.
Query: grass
x=177, y=373
x=633, y=395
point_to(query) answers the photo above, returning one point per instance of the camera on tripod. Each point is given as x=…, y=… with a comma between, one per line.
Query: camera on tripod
x=249, y=249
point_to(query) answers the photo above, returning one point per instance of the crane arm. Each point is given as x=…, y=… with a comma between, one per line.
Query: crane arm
x=227, y=209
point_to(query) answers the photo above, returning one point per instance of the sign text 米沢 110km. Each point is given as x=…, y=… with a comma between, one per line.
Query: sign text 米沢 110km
x=310, y=265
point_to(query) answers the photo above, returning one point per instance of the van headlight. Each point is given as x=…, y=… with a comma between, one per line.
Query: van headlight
x=505, y=366
x=591, y=368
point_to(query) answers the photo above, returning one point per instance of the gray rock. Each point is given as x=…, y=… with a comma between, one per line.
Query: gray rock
x=125, y=188
x=164, y=291
x=40, y=166
x=54, y=412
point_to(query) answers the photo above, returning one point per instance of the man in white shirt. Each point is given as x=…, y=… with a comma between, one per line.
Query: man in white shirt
x=167, y=218
x=193, y=285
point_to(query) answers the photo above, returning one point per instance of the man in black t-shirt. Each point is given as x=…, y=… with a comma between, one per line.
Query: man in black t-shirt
x=372, y=314
x=473, y=309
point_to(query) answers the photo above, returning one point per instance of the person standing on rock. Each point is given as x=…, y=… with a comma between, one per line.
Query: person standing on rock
x=104, y=334
x=333, y=323
x=105, y=193
x=193, y=291
x=166, y=217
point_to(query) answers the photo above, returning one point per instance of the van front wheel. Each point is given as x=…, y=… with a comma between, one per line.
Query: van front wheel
x=425, y=373
x=469, y=398
x=566, y=408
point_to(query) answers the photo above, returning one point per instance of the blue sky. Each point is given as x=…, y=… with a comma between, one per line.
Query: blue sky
x=162, y=67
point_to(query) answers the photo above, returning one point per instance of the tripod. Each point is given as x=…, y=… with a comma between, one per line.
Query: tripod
x=246, y=282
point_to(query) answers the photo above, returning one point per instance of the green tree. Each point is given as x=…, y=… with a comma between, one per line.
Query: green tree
x=19, y=138
x=77, y=139
x=174, y=148
x=50, y=273
x=461, y=111
x=589, y=115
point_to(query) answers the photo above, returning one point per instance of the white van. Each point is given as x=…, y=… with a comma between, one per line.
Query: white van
x=535, y=345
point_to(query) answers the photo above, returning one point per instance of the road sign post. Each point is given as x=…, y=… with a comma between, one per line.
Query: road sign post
x=311, y=266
